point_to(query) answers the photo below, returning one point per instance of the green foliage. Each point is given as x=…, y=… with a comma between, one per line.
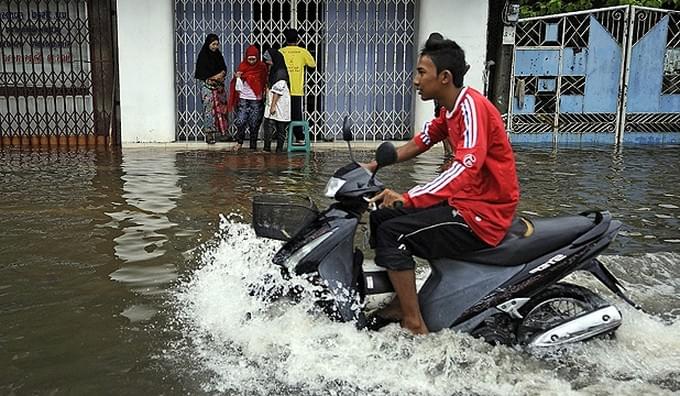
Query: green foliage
x=530, y=8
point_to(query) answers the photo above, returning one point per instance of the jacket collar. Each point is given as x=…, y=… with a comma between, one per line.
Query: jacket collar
x=459, y=99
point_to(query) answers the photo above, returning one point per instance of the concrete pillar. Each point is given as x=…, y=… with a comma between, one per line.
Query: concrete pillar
x=146, y=70
x=463, y=21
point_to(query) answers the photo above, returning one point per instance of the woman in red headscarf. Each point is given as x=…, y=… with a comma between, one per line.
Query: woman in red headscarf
x=247, y=96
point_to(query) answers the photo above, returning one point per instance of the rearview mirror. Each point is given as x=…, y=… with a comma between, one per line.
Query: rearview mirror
x=386, y=154
x=347, y=129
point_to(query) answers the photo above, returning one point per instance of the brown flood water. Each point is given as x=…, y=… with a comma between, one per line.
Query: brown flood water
x=94, y=247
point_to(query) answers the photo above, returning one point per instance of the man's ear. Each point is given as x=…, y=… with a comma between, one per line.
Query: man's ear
x=445, y=77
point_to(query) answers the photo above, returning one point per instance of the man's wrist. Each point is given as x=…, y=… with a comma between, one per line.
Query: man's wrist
x=407, y=200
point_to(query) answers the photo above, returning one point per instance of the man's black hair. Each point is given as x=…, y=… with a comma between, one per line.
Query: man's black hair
x=446, y=55
x=435, y=36
x=291, y=36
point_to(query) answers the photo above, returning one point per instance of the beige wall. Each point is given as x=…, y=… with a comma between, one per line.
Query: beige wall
x=464, y=21
x=146, y=70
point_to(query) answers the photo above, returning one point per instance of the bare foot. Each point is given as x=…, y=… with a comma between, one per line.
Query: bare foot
x=391, y=311
x=416, y=327
x=236, y=147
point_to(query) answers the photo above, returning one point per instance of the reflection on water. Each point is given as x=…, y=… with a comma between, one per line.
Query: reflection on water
x=115, y=275
x=150, y=191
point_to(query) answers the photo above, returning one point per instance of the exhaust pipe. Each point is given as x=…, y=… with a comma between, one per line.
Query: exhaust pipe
x=597, y=322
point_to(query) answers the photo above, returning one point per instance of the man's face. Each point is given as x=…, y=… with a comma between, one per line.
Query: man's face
x=428, y=83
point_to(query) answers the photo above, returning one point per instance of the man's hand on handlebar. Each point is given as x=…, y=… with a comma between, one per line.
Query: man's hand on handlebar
x=388, y=199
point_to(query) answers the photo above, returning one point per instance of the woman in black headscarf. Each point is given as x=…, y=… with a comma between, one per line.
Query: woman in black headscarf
x=277, y=108
x=211, y=70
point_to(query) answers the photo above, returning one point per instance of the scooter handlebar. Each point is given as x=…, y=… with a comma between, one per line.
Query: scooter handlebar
x=372, y=206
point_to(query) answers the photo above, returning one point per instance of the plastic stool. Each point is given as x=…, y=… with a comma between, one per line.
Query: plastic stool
x=305, y=128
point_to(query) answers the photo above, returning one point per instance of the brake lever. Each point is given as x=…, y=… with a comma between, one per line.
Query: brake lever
x=372, y=206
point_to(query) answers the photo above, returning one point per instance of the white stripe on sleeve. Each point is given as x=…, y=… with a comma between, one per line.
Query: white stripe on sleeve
x=439, y=182
x=425, y=135
x=469, y=116
x=473, y=121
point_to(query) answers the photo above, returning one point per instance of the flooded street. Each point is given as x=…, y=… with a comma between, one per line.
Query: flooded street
x=127, y=273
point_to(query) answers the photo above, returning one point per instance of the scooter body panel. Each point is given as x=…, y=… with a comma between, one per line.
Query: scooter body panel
x=455, y=286
x=337, y=269
x=333, y=259
x=548, y=269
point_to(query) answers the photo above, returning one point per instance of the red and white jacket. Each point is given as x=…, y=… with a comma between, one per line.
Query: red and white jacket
x=482, y=181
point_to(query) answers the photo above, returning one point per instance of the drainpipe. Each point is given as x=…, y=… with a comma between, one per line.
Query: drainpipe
x=504, y=59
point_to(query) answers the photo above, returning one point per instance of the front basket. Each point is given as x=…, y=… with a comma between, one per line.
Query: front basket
x=281, y=217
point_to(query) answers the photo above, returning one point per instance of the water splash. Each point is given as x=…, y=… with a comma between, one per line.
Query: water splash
x=239, y=343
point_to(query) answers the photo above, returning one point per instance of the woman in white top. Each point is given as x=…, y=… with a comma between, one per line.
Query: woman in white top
x=277, y=107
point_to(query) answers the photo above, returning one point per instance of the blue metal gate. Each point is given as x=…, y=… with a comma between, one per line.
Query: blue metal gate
x=601, y=76
x=364, y=53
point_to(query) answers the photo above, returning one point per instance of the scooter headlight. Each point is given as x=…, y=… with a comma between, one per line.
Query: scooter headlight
x=301, y=253
x=333, y=186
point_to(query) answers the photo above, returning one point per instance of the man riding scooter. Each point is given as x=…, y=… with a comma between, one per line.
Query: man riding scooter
x=467, y=207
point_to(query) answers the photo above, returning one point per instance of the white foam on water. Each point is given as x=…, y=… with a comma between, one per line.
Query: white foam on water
x=662, y=216
x=645, y=350
x=233, y=342
x=530, y=213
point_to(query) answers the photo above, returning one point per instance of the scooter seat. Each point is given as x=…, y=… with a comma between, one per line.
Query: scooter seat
x=529, y=239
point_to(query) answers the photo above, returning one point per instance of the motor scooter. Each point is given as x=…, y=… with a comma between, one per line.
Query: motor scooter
x=513, y=293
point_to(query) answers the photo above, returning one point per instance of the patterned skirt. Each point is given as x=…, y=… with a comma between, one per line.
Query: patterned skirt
x=214, y=109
